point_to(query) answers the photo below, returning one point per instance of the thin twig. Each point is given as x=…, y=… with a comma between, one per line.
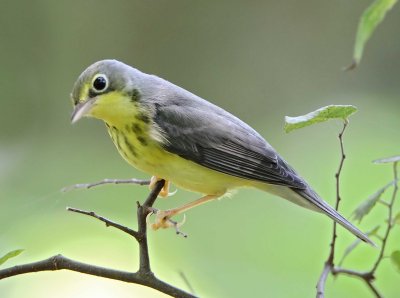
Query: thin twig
x=143, y=276
x=108, y=222
x=367, y=277
x=389, y=221
x=329, y=263
x=188, y=284
x=374, y=290
x=105, y=181
x=337, y=177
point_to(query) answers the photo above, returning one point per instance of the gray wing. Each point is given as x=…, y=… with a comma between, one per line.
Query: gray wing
x=208, y=135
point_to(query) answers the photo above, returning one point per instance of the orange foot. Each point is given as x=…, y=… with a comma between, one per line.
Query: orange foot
x=163, y=218
x=164, y=191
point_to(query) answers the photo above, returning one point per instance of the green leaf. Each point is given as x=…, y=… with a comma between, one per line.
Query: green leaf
x=395, y=258
x=391, y=159
x=396, y=219
x=355, y=243
x=10, y=255
x=370, y=19
x=320, y=115
x=365, y=207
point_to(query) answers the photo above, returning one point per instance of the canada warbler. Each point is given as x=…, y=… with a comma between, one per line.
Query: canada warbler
x=172, y=134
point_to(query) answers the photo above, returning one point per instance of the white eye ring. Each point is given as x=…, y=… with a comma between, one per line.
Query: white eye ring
x=100, y=82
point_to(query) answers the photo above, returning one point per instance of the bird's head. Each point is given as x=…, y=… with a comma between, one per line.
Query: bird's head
x=106, y=90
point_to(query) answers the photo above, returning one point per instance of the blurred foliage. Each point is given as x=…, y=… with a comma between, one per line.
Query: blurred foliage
x=370, y=19
x=355, y=243
x=389, y=222
x=395, y=257
x=9, y=255
x=397, y=218
x=366, y=206
x=260, y=60
x=391, y=159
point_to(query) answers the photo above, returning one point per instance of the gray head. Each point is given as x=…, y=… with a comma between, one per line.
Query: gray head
x=102, y=77
x=104, y=88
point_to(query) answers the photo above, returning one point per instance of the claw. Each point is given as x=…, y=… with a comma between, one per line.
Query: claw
x=172, y=193
x=177, y=225
x=162, y=220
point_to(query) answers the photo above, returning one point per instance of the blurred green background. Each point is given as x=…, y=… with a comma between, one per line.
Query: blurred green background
x=260, y=60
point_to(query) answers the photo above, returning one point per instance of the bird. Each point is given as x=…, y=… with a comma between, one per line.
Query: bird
x=172, y=134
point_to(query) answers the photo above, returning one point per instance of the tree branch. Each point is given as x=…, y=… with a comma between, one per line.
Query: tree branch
x=329, y=263
x=59, y=262
x=369, y=276
x=142, y=212
x=144, y=276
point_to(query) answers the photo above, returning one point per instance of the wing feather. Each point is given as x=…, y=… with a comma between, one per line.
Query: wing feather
x=206, y=134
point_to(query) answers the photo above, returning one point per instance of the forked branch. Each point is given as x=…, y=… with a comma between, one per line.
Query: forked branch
x=367, y=276
x=144, y=276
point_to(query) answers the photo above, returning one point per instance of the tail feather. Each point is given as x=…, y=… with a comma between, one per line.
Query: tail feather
x=316, y=203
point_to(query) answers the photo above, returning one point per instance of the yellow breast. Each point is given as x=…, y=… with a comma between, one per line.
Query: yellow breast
x=140, y=143
x=148, y=156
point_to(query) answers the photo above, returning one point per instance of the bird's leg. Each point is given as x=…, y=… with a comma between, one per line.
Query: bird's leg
x=163, y=217
x=164, y=191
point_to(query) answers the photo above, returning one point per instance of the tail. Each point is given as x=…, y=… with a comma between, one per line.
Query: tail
x=309, y=199
x=314, y=202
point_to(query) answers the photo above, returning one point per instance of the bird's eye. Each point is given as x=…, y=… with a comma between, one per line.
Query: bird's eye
x=100, y=83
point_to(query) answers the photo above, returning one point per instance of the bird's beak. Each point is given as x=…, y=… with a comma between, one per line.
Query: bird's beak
x=82, y=109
